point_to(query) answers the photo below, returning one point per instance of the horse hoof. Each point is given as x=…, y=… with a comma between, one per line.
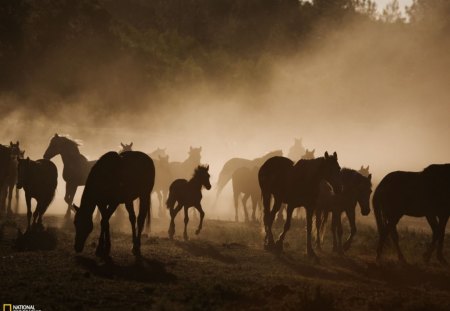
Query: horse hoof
x=197, y=231
x=278, y=247
x=314, y=257
x=136, y=252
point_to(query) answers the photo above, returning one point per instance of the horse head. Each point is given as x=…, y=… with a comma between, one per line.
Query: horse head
x=309, y=154
x=195, y=153
x=83, y=227
x=126, y=147
x=364, y=191
x=15, y=150
x=364, y=171
x=202, y=174
x=332, y=171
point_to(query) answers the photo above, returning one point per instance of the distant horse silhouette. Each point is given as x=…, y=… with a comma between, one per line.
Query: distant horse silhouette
x=187, y=194
x=184, y=169
x=355, y=189
x=245, y=180
x=233, y=164
x=39, y=180
x=297, y=150
x=162, y=182
x=126, y=147
x=76, y=166
x=155, y=154
x=309, y=154
x=11, y=180
x=416, y=194
x=115, y=179
x=364, y=171
x=296, y=185
x=5, y=159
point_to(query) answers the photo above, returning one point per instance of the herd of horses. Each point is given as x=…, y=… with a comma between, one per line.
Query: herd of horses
x=279, y=184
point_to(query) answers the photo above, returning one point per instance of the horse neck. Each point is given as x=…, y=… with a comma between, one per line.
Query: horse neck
x=196, y=183
x=191, y=161
x=70, y=154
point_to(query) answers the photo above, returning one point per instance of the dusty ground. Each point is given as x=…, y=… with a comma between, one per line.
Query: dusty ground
x=224, y=268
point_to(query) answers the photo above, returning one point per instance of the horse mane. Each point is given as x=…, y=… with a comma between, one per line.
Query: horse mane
x=199, y=169
x=69, y=139
x=351, y=173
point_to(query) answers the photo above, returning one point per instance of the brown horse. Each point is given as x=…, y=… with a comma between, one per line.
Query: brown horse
x=245, y=181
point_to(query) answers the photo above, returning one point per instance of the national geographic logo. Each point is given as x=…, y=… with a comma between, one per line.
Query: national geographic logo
x=11, y=307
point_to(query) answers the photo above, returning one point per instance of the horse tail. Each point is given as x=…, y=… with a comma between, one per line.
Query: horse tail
x=224, y=178
x=170, y=203
x=378, y=212
x=149, y=214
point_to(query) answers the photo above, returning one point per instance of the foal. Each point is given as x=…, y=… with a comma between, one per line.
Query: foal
x=187, y=194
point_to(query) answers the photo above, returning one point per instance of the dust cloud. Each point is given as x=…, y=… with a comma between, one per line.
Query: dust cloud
x=377, y=95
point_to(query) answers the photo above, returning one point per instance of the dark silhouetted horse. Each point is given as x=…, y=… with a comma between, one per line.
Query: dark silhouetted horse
x=39, y=180
x=76, y=166
x=162, y=182
x=11, y=180
x=355, y=189
x=187, y=194
x=5, y=160
x=296, y=185
x=245, y=180
x=416, y=194
x=297, y=150
x=233, y=164
x=113, y=180
x=364, y=171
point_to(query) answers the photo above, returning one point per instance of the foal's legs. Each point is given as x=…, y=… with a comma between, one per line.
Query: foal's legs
x=173, y=214
x=202, y=215
x=287, y=226
x=351, y=219
x=236, y=205
x=442, y=224
x=433, y=222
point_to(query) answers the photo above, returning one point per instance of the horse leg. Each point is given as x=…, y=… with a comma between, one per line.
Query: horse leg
x=323, y=225
x=271, y=217
x=394, y=235
x=244, y=205
x=36, y=214
x=28, y=202
x=173, y=214
x=254, y=205
x=351, y=219
x=10, y=195
x=71, y=189
x=339, y=232
x=132, y=217
x=236, y=205
x=266, y=219
x=318, y=226
x=433, y=222
x=161, y=205
x=287, y=226
x=186, y=221
x=110, y=212
x=309, y=250
x=202, y=215
x=144, y=208
x=334, y=218
x=17, y=200
x=442, y=224
x=280, y=214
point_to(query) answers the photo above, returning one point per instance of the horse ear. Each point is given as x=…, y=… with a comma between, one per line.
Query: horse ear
x=207, y=167
x=28, y=158
x=75, y=208
x=122, y=145
x=370, y=176
x=326, y=155
x=314, y=150
x=17, y=143
x=200, y=148
x=335, y=155
x=56, y=135
x=362, y=167
x=131, y=145
x=10, y=143
x=367, y=167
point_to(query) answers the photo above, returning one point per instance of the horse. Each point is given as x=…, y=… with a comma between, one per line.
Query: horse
x=297, y=150
x=416, y=194
x=364, y=171
x=296, y=185
x=39, y=180
x=245, y=180
x=356, y=188
x=76, y=166
x=11, y=180
x=5, y=159
x=188, y=194
x=233, y=164
x=157, y=152
x=115, y=179
x=126, y=147
x=309, y=154
x=162, y=181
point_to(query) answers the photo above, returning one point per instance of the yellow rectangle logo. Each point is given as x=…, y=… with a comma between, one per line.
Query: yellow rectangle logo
x=7, y=307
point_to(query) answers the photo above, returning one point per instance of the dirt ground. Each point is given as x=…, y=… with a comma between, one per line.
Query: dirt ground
x=223, y=268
